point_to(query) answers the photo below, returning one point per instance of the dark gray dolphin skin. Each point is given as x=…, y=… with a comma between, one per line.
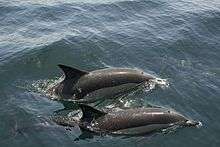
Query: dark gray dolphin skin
x=103, y=83
x=136, y=121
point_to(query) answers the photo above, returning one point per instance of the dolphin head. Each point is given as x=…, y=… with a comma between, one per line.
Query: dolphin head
x=178, y=119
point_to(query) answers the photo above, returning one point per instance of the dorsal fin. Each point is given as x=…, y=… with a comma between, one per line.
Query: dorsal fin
x=71, y=72
x=90, y=113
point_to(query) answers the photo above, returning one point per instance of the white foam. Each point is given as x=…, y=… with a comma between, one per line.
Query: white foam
x=44, y=86
x=199, y=124
x=163, y=83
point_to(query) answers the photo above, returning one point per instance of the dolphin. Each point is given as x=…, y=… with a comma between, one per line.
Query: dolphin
x=103, y=83
x=136, y=121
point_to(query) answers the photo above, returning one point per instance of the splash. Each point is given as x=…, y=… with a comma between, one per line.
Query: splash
x=162, y=83
x=45, y=86
x=197, y=124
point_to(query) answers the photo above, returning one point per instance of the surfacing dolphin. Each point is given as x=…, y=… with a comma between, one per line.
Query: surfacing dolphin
x=138, y=121
x=97, y=84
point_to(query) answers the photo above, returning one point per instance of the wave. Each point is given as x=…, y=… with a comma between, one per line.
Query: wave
x=39, y=25
x=158, y=37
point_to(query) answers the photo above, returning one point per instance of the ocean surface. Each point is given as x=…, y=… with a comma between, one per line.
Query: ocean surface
x=177, y=40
